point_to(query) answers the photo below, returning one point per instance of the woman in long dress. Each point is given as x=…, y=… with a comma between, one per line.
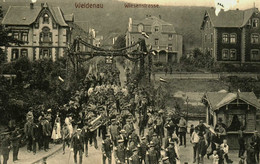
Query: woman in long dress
x=56, y=132
x=69, y=125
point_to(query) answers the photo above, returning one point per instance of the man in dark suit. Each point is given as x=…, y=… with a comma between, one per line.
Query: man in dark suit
x=46, y=129
x=77, y=145
x=16, y=136
x=5, y=148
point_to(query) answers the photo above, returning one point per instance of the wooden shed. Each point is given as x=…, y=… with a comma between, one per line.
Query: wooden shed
x=236, y=110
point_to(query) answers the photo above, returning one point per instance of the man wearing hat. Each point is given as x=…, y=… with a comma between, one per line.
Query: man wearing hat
x=182, y=131
x=114, y=131
x=107, y=147
x=169, y=125
x=134, y=137
x=5, y=148
x=256, y=139
x=46, y=128
x=157, y=144
x=143, y=147
x=86, y=136
x=120, y=152
x=170, y=152
x=77, y=145
x=15, y=139
x=122, y=136
x=29, y=130
x=150, y=133
x=134, y=159
x=151, y=155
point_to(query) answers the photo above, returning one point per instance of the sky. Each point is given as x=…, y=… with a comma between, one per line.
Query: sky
x=242, y=4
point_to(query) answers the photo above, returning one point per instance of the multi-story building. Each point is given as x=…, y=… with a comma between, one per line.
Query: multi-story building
x=232, y=36
x=43, y=28
x=163, y=39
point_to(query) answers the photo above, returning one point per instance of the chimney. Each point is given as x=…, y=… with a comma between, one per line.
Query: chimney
x=31, y=5
x=160, y=17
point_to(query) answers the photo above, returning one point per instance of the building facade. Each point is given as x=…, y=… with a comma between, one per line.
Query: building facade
x=232, y=36
x=163, y=39
x=43, y=28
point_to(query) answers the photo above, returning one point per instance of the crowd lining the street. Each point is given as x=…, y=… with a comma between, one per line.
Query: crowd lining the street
x=101, y=107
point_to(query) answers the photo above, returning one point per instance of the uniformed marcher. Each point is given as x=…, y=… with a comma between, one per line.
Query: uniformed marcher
x=157, y=144
x=170, y=152
x=120, y=153
x=86, y=136
x=15, y=140
x=134, y=159
x=107, y=148
x=114, y=131
x=77, y=145
x=29, y=134
x=143, y=147
x=46, y=129
x=151, y=155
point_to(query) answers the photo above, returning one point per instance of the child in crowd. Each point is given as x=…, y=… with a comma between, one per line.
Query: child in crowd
x=224, y=146
x=215, y=157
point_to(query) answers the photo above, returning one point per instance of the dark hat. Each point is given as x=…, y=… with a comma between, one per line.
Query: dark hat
x=134, y=150
x=143, y=138
x=154, y=134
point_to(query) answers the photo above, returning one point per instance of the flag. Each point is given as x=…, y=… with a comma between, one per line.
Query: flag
x=61, y=79
x=145, y=34
x=163, y=80
x=225, y=5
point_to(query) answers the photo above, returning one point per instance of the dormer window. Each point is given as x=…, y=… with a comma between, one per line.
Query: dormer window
x=46, y=18
x=156, y=28
x=255, y=22
x=140, y=28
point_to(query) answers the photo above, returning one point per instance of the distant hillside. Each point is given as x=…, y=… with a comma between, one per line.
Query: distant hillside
x=114, y=17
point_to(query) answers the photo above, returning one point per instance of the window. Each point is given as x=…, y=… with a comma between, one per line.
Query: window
x=255, y=38
x=24, y=52
x=46, y=35
x=255, y=55
x=233, y=38
x=169, y=47
x=233, y=54
x=16, y=35
x=255, y=22
x=25, y=36
x=45, y=53
x=140, y=28
x=225, y=38
x=156, y=42
x=46, y=18
x=235, y=121
x=225, y=54
x=170, y=36
x=156, y=28
x=211, y=37
x=15, y=54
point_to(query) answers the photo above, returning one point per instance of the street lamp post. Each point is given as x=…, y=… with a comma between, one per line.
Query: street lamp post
x=187, y=101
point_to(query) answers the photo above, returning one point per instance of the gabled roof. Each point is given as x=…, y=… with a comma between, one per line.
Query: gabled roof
x=231, y=18
x=217, y=100
x=148, y=21
x=24, y=15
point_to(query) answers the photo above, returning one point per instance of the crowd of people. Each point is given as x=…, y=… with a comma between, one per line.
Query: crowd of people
x=132, y=126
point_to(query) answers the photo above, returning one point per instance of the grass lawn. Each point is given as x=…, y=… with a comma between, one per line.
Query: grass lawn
x=196, y=87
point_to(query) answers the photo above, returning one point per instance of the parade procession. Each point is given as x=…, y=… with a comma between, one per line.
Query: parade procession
x=120, y=82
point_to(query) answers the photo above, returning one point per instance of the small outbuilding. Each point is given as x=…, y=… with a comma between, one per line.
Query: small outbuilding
x=235, y=110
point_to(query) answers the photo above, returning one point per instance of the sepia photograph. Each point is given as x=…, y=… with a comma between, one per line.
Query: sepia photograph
x=129, y=81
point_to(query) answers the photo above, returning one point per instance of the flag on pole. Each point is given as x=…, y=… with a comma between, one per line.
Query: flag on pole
x=163, y=80
x=145, y=34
